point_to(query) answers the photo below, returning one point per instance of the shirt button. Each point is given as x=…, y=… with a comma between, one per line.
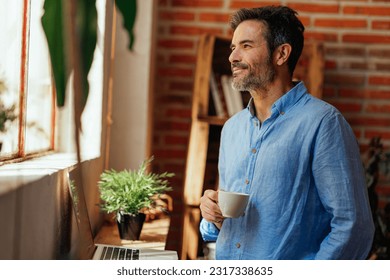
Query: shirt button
x=254, y=151
x=238, y=245
x=247, y=182
x=282, y=113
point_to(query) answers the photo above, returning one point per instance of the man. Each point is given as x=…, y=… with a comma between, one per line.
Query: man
x=294, y=154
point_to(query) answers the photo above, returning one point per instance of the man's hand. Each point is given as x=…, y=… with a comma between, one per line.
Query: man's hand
x=209, y=208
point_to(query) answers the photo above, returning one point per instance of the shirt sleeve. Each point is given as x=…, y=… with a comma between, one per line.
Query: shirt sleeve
x=208, y=231
x=340, y=181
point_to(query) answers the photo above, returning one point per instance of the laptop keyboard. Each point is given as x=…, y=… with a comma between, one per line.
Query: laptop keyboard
x=116, y=253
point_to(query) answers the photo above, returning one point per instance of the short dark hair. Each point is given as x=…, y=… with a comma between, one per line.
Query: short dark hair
x=283, y=26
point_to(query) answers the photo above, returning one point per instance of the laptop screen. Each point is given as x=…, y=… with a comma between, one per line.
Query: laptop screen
x=86, y=246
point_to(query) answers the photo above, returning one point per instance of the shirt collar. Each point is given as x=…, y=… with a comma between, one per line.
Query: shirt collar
x=284, y=103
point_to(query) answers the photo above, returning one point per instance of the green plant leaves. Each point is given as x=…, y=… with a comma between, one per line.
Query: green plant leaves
x=128, y=9
x=52, y=23
x=53, y=26
x=131, y=191
x=86, y=25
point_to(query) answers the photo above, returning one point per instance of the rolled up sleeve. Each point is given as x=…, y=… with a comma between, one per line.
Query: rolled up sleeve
x=208, y=231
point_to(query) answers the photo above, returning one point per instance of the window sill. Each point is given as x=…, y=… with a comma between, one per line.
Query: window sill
x=15, y=175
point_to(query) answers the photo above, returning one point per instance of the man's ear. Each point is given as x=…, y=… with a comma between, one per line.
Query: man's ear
x=282, y=54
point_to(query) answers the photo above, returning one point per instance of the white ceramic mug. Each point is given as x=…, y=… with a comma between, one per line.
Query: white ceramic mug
x=232, y=204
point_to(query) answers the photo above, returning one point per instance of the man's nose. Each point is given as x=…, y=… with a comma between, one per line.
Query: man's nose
x=234, y=56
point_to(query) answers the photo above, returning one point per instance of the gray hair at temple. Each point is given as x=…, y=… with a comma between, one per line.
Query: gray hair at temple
x=283, y=26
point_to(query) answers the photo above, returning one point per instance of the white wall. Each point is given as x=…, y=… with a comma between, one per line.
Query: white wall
x=132, y=87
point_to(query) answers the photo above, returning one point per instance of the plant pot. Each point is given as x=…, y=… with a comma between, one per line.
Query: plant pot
x=130, y=225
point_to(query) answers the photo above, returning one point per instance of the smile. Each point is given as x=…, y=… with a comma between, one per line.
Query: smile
x=238, y=67
x=236, y=71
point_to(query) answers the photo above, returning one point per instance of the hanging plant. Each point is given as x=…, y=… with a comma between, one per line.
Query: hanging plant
x=53, y=22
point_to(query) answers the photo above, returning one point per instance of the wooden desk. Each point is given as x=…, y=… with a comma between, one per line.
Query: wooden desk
x=153, y=235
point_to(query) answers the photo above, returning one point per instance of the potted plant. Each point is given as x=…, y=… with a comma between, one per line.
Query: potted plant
x=129, y=193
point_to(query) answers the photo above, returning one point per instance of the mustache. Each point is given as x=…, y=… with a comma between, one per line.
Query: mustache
x=239, y=65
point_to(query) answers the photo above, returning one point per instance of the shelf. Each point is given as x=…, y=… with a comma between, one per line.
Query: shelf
x=213, y=120
x=202, y=158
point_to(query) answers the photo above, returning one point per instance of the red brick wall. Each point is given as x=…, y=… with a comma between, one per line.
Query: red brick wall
x=357, y=75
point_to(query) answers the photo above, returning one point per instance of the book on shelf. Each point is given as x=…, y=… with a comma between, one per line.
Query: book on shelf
x=233, y=97
x=218, y=95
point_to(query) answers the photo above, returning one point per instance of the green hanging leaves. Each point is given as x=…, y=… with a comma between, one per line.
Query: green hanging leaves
x=52, y=24
x=128, y=8
x=86, y=25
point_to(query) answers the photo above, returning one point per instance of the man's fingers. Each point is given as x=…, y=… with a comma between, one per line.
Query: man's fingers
x=211, y=212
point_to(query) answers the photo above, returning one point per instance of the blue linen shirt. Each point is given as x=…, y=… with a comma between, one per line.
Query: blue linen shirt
x=303, y=172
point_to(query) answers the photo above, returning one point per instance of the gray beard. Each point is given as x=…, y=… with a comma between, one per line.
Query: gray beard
x=254, y=81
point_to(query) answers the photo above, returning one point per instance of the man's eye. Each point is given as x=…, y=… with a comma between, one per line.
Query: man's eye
x=246, y=46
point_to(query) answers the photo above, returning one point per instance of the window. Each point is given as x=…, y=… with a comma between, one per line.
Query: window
x=27, y=105
x=29, y=121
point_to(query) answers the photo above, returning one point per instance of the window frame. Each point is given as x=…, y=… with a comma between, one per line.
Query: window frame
x=20, y=154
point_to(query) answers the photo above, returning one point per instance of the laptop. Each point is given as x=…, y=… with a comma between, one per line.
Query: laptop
x=88, y=249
